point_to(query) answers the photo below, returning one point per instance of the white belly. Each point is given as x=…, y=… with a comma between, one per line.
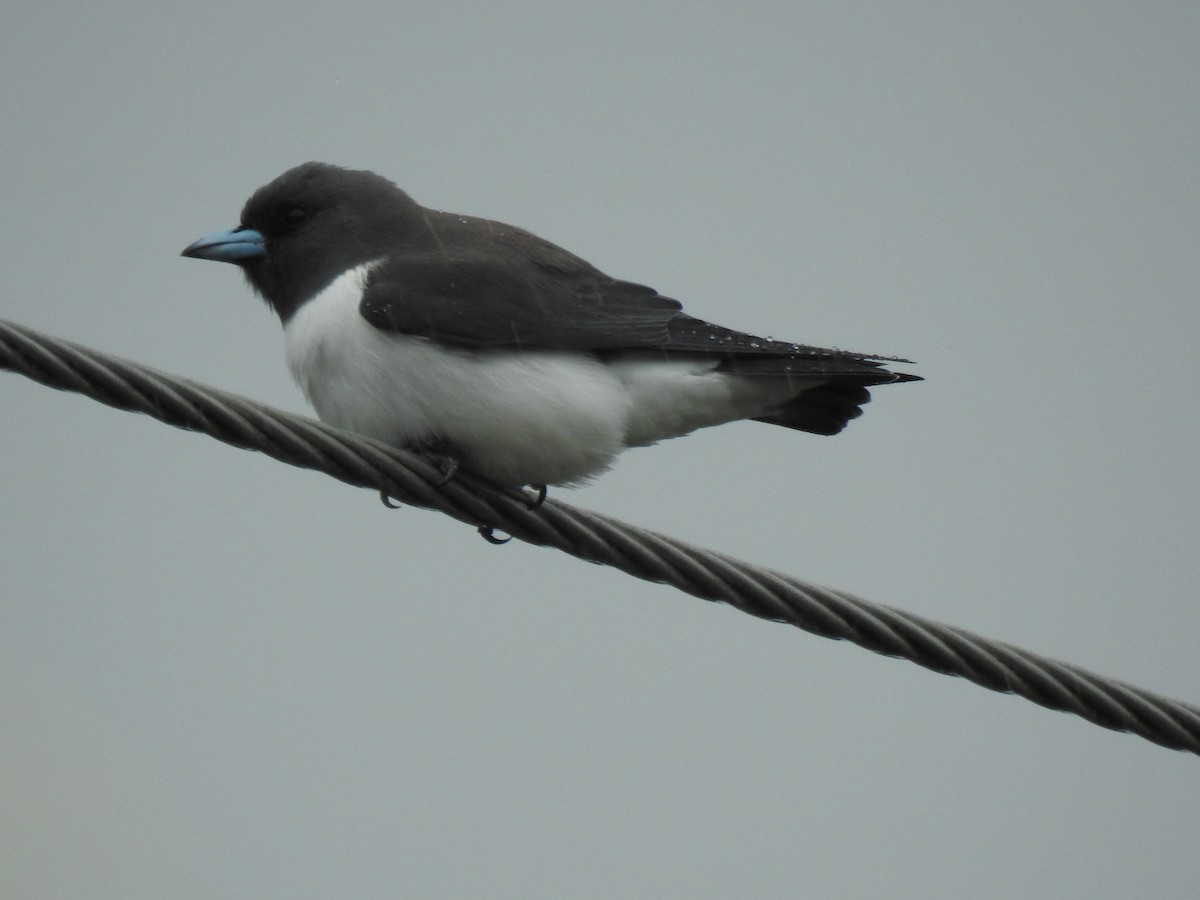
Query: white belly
x=515, y=417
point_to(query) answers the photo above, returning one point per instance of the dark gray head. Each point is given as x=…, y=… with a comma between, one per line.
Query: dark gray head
x=302, y=230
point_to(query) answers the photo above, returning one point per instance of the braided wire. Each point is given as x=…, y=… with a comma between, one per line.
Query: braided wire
x=415, y=480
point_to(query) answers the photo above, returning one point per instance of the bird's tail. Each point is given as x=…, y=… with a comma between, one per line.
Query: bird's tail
x=829, y=407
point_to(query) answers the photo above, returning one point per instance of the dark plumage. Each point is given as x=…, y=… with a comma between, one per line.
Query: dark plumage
x=480, y=287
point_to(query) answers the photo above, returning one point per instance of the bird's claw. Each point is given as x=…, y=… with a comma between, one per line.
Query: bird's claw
x=488, y=533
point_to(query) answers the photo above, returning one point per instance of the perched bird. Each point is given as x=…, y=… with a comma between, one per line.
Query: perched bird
x=510, y=356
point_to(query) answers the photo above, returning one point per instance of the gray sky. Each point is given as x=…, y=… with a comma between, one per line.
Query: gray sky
x=220, y=676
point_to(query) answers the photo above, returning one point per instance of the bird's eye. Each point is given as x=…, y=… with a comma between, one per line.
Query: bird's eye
x=296, y=216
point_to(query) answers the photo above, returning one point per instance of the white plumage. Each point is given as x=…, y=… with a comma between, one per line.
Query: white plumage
x=516, y=417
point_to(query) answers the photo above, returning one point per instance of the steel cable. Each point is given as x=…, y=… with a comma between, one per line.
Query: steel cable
x=418, y=481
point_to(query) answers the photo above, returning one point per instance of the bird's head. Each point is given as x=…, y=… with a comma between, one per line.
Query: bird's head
x=315, y=221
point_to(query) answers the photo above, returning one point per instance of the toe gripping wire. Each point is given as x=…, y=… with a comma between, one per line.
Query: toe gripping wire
x=418, y=480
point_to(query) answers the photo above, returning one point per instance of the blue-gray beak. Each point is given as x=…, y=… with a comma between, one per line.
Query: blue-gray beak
x=233, y=246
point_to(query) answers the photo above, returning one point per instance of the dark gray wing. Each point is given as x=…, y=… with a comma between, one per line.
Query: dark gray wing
x=484, y=303
x=475, y=301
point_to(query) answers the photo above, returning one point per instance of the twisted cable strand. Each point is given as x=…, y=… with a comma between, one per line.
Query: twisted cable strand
x=415, y=480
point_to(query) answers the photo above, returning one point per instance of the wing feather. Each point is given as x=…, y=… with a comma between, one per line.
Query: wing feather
x=483, y=302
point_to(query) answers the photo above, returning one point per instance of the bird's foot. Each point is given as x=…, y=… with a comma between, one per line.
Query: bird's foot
x=488, y=532
x=442, y=456
x=538, y=498
x=445, y=456
x=449, y=466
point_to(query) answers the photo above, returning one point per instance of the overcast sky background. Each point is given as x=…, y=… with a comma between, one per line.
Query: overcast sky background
x=224, y=677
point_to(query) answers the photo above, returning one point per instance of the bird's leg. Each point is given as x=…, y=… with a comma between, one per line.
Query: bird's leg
x=449, y=467
x=522, y=495
x=444, y=455
x=488, y=532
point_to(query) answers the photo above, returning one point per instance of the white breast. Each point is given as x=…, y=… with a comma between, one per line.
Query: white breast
x=516, y=418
